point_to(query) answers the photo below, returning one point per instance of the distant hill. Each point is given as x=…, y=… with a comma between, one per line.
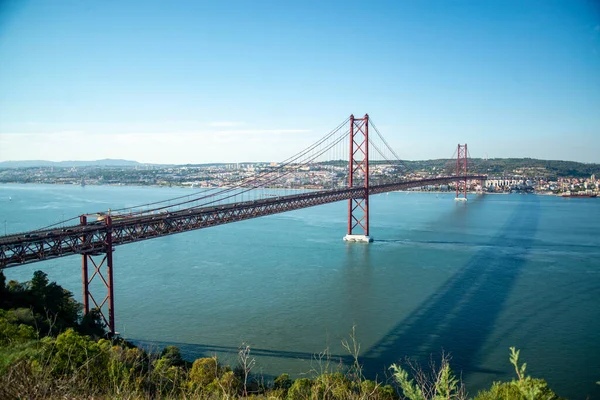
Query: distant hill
x=529, y=167
x=108, y=162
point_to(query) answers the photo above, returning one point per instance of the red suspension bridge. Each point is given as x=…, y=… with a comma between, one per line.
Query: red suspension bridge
x=95, y=239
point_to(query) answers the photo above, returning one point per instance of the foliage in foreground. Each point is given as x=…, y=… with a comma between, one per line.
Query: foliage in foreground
x=525, y=387
x=438, y=383
x=74, y=366
x=441, y=383
x=39, y=308
x=64, y=356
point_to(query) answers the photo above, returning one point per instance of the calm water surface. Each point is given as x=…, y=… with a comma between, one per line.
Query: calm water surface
x=470, y=279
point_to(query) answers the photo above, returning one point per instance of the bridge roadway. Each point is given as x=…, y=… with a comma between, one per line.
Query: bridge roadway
x=93, y=238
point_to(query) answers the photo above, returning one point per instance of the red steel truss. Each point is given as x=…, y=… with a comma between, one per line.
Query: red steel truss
x=98, y=261
x=461, y=171
x=358, y=174
x=92, y=238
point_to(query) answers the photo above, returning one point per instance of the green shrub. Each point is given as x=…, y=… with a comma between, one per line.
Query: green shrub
x=300, y=389
x=167, y=377
x=11, y=333
x=530, y=389
x=283, y=381
x=204, y=371
x=439, y=384
x=331, y=386
x=524, y=388
x=372, y=390
x=227, y=385
x=72, y=351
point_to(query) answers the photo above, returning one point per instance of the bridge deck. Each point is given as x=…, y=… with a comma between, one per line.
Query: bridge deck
x=42, y=245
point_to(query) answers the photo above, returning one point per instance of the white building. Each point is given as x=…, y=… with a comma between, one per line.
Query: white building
x=502, y=182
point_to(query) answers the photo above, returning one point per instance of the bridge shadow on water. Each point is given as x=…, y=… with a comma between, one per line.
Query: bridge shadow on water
x=192, y=351
x=461, y=314
x=458, y=318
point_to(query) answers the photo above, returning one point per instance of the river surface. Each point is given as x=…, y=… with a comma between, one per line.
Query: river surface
x=468, y=279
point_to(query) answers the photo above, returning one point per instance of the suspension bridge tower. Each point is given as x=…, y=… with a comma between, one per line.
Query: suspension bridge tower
x=461, y=173
x=358, y=177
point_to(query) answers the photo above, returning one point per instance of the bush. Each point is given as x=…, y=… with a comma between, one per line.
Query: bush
x=71, y=352
x=524, y=388
x=300, y=389
x=283, y=382
x=530, y=389
x=440, y=383
x=331, y=386
x=11, y=332
x=228, y=384
x=373, y=390
x=204, y=371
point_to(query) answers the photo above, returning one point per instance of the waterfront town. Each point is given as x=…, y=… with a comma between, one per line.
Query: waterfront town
x=314, y=176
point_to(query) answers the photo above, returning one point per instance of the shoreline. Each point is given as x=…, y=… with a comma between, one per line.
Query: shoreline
x=179, y=186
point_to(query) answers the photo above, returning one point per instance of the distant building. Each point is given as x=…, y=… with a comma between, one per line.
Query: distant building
x=502, y=182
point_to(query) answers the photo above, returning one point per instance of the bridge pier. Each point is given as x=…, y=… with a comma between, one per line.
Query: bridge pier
x=358, y=174
x=84, y=270
x=358, y=238
x=98, y=261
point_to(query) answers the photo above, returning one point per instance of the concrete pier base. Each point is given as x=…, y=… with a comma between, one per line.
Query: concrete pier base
x=460, y=199
x=358, y=238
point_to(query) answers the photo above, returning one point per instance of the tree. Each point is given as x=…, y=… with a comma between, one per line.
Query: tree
x=92, y=324
x=54, y=304
x=3, y=290
x=245, y=365
x=54, y=308
x=39, y=282
x=2, y=284
x=172, y=356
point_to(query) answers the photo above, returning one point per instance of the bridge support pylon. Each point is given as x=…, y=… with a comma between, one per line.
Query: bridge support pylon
x=99, y=261
x=358, y=176
x=461, y=173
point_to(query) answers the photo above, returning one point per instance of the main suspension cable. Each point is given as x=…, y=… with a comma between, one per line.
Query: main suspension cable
x=247, y=181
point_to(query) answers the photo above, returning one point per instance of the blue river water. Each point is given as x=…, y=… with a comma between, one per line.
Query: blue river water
x=468, y=279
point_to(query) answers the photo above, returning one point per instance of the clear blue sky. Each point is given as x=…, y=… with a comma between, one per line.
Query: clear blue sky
x=204, y=81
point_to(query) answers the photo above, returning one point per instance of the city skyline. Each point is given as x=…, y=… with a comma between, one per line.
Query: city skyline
x=200, y=82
